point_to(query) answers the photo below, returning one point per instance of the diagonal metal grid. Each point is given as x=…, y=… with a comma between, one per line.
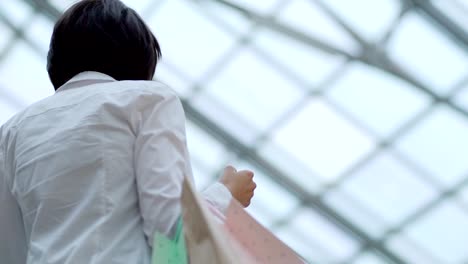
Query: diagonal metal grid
x=259, y=146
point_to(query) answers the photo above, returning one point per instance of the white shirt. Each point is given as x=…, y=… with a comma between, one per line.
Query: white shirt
x=89, y=174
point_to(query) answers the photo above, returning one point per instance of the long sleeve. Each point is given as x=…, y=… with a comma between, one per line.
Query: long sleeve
x=161, y=163
x=13, y=246
x=218, y=195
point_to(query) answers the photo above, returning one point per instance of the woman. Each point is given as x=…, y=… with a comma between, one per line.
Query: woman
x=89, y=174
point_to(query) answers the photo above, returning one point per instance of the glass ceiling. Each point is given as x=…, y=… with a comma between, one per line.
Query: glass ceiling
x=353, y=114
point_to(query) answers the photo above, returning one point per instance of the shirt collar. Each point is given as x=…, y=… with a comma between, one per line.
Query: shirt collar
x=85, y=78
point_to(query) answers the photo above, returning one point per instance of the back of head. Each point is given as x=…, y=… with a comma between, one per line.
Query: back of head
x=104, y=36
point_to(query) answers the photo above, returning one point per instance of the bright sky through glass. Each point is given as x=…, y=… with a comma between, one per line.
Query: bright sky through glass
x=354, y=164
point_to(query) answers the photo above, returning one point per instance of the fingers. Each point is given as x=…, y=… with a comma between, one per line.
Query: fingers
x=247, y=199
x=249, y=193
x=240, y=184
x=249, y=184
x=246, y=173
x=252, y=186
x=229, y=170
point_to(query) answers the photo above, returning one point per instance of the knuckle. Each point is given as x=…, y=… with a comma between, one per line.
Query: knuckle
x=247, y=173
x=230, y=168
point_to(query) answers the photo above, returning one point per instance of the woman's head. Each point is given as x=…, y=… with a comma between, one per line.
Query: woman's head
x=104, y=36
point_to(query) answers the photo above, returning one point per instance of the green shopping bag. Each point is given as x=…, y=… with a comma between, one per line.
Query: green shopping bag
x=167, y=251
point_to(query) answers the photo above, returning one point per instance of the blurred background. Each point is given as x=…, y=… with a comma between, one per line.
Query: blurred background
x=353, y=114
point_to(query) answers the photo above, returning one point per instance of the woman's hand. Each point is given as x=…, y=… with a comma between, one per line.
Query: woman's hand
x=240, y=184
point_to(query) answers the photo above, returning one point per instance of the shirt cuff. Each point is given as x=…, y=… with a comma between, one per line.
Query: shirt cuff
x=218, y=195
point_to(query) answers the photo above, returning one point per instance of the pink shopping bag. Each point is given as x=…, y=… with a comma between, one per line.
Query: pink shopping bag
x=235, y=237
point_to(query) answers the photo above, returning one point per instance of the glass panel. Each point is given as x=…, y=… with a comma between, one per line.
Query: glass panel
x=323, y=140
x=309, y=18
x=193, y=43
x=387, y=188
x=62, y=5
x=461, y=98
x=317, y=230
x=203, y=177
x=203, y=148
x=271, y=197
x=7, y=36
x=307, y=63
x=355, y=212
x=429, y=63
x=173, y=79
x=295, y=239
x=456, y=10
x=138, y=5
x=263, y=7
x=443, y=232
x=463, y=4
x=233, y=19
x=464, y=195
x=288, y=164
x=15, y=11
x=440, y=144
x=371, y=95
x=253, y=90
x=369, y=258
x=231, y=122
x=410, y=251
x=30, y=87
x=382, y=13
x=40, y=32
x=6, y=111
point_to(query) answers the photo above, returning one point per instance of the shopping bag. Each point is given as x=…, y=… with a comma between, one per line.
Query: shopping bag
x=235, y=238
x=170, y=251
x=206, y=240
x=262, y=245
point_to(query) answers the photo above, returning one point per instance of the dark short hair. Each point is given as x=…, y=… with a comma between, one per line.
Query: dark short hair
x=104, y=36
